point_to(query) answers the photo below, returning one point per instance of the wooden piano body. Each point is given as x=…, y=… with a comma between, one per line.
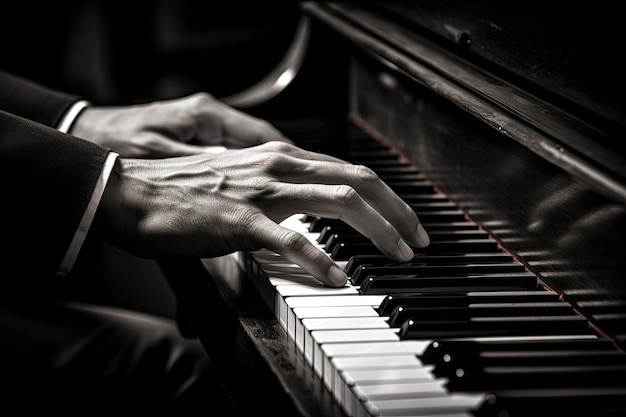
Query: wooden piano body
x=514, y=113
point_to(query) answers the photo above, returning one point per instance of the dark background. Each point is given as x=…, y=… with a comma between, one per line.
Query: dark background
x=118, y=52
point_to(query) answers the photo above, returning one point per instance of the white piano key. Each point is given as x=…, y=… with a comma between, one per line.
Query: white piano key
x=286, y=299
x=374, y=362
x=362, y=363
x=334, y=351
x=281, y=268
x=315, y=290
x=362, y=412
x=293, y=277
x=295, y=327
x=273, y=282
x=360, y=359
x=335, y=311
x=421, y=373
x=348, y=379
x=358, y=395
x=313, y=349
x=295, y=280
x=427, y=389
x=287, y=305
x=345, y=323
x=306, y=326
x=335, y=376
x=294, y=222
x=335, y=300
x=453, y=403
x=271, y=261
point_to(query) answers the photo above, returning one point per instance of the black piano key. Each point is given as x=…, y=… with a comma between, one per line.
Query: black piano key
x=337, y=239
x=453, y=225
x=495, y=326
x=393, y=300
x=319, y=224
x=600, y=307
x=437, y=259
x=363, y=156
x=477, y=378
x=386, y=284
x=418, y=186
x=479, y=366
x=390, y=171
x=566, y=357
x=316, y=224
x=414, y=198
x=442, y=351
x=344, y=252
x=366, y=143
x=458, y=234
x=349, y=238
x=421, y=206
x=611, y=323
x=435, y=216
x=602, y=401
x=396, y=177
x=418, y=269
x=422, y=313
x=377, y=164
x=325, y=233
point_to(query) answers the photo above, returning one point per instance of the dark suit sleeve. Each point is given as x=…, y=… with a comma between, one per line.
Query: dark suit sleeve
x=47, y=179
x=33, y=101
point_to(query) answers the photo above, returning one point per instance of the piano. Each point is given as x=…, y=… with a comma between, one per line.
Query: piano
x=502, y=125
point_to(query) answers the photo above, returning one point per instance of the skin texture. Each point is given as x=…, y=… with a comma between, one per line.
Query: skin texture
x=201, y=203
x=166, y=128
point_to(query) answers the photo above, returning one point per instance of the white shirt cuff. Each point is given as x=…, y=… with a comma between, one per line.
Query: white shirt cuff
x=90, y=212
x=71, y=115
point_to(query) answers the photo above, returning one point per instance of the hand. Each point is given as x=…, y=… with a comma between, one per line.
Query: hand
x=213, y=204
x=187, y=126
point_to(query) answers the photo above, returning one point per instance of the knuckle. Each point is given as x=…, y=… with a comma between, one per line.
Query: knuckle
x=261, y=184
x=366, y=175
x=276, y=146
x=274, y=162
x=346, y=195
x=274, y=158
x=263, y=188
x=201, y=98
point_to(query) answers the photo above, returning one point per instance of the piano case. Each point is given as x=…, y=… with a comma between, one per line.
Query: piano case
x=513, y=115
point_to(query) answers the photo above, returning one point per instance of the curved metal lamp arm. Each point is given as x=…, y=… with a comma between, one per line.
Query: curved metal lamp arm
x=281, y=76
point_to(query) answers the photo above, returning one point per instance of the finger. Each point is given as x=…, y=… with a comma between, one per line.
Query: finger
x=343, y=202
x=254, y=131
x=297, y=249
x=297, y=152
x=367, y=185
x=153, y=144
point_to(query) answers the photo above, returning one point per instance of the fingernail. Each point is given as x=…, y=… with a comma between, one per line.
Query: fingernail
x=422, y=237
x=337, y=276
x=405, y=250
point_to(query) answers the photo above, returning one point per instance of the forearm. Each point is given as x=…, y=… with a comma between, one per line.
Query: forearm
x=48, y=179
x=33, y=101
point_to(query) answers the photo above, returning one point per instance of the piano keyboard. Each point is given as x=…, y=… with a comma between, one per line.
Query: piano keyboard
x=464, y=329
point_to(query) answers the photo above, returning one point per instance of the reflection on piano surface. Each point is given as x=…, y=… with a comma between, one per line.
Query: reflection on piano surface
x=517, y=307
